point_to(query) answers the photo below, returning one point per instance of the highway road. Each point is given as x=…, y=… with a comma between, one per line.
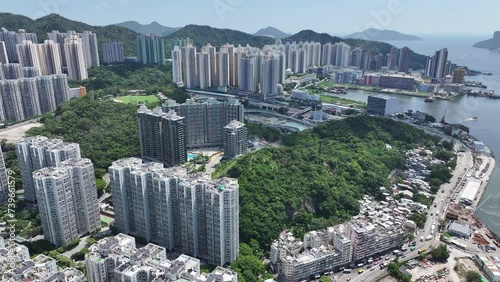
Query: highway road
x=443, y=197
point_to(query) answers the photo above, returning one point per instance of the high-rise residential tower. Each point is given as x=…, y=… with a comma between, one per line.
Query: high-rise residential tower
x=91, y=52
x=176, y=65
x=113, y=52
x=27, y=54
x=75, y=57
x=235, y=139
x=150, y=49
x=4, y=180
x=49, y=54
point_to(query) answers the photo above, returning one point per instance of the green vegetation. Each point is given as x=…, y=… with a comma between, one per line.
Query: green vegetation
x=248, y=264
x=418, y=218
x=446, y=235
x=113, y=81
x=440, y=253
x=71, y=245
x=393, y=269
x=263, y=132
x=410, y=237
x=106, y=130
x=138, y=99
x=421, y=198
x=80, y=255
x=316, y=179
x=472, y=276
x=27, y=222
x=55, y=22
x=342, y=101
x=10, y=159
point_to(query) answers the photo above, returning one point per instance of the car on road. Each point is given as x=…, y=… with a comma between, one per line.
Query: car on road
x=360, y=271
x=372, y=268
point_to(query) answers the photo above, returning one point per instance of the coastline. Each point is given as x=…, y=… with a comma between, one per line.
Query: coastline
x=485, y=179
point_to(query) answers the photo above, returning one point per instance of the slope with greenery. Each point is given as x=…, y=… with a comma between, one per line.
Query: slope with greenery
x=317, y=178
x=51, y=22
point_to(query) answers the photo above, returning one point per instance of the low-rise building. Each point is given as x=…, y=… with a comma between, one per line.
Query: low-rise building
x=489, y=266
x=118, y=259
x=459, y=229
x=383, y=105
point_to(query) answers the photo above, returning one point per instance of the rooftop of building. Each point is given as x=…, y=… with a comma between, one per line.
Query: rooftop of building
x=53, y=172
x=222, y=184
x=128, y=162
x=74, y=162
x=234, y=124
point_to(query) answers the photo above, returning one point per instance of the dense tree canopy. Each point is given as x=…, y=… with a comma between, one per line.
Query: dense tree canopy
x=441, y=253
x=318, y=177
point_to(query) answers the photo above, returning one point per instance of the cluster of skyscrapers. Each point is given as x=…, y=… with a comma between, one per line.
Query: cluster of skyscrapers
x=438, y=66
x=16, y=265
x=166, y=133
x=258, y=72
x=62, y=184
x=189, y=213
x=71, y=51
x=118, y=259
x=150, y=49
x=25, y=93
x=113, y=53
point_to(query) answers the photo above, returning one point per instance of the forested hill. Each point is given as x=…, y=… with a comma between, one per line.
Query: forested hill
x=317, y=178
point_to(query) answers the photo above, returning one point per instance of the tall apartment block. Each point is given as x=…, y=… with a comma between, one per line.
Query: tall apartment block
x=235, y=139
x=162, y=136
x=176, y=65
x=12, y=38
x=67, y=200
x=12, y=71
x=34, y=153
x=49, y=54
x=118, y=259
x=91, y=51
x=4, y=180
x=190, y=213
x=269, y=76
x=4, y=59
x=10, y=91
x=27, y=54
x=56, y=205
x=113, y=52
x=150, y=49
x=190, y=66
x=204, y=122
x=75, y=57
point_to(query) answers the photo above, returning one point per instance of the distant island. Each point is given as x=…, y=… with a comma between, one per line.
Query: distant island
x=382, y=35
x=152, y=28
x=272, y=32
x=491, y=44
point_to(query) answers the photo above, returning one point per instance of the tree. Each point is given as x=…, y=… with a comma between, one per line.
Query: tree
x=472, y=276
x=324, y=279
x=410, y=237
x=441, y=253
x=429, y=118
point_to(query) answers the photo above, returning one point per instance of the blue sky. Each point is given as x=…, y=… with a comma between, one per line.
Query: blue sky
x=331, y=16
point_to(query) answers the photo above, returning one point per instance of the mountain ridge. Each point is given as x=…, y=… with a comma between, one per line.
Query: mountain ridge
x=151, y=28
x=382, y=35
x=272, y=32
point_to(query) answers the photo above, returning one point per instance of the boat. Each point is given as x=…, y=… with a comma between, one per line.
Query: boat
x=475, y=118
x=429, y=99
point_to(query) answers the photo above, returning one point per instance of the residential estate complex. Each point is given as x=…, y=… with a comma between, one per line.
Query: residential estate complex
x=63, y=185
x=118, y=259
x=167, y=133
x=189, y=213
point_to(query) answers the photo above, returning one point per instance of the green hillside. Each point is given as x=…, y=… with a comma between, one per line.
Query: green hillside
x=56, y=22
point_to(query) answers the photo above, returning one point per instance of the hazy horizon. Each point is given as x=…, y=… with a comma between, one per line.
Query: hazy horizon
x=424, y=17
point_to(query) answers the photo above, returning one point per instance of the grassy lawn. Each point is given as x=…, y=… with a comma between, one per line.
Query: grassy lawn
x=342, y=101
x=446, y=235
x=138, y=99
x=106, y=219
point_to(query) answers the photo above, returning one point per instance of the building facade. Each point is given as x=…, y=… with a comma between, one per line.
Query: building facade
x=189, y=213
x=150, y=49
x=235, y=139
x=383, y=105
x=113, y=52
